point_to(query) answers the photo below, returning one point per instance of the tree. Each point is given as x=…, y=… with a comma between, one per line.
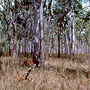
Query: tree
x=42, y=35
x=73, y=51
x=31, y=36
x=70, y=35
x=47, y=27
x=67, y=43
x=6, y=21
x=15, y=29
x=36, y=30
x=59, y=42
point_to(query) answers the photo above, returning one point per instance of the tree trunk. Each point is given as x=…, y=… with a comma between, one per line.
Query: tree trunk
x=36, y=43
x=31, y=37
x=70, y=44
x=89, y=53
x=67, y=41
x=0, y=66
x=47, y=44
x=42, y=35
x=58, y=43
x=15, y=30
x=47, y=27
x=24, y=48
x=73, y=51
x=9, y=41
x=19, y=46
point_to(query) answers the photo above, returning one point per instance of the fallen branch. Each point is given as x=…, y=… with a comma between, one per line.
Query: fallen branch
x=29, y=70
x=25, y=76
x=84, y=67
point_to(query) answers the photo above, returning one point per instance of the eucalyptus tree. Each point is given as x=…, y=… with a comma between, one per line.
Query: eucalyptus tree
x=36, y=30
x=6, y=21
x=32, y=49
x=24, y=20
x=61, y=11
x=42, y=35
x=48, y=18
x=9, y=18
x=57, y=13
x=66, y=13
x=73, y=50
x=15, y=29
x=86, y=18
x=81, y=18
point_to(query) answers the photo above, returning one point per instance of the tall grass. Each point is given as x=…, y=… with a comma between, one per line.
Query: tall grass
x=59, y=74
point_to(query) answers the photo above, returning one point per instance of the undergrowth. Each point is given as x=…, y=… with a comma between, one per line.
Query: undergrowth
x=58, y=74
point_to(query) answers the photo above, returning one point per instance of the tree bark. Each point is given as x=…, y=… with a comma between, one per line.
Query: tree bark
x=58, y=43
x=42, y=35
x=89, y=53
x=15, y=30
x=67, y=41
x=36, y=29
x=31, y=37
x=70, y=44
x=73, y=51
x=9, y=41
x=47, y=44
x=0, y=63
x=24, y=48
x=47, y=27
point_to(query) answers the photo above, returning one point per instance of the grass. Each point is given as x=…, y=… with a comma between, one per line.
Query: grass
x=59, y=74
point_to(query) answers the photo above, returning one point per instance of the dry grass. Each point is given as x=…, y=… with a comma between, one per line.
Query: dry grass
x=59, y=74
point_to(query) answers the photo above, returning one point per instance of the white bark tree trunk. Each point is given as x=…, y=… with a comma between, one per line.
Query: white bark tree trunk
x=42, y=35
x=37, y=33
x=73, y=50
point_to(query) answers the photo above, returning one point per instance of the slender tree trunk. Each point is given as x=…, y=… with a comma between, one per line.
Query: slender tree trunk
x=39, y=54
x=0, y=64
x=70, y=47
x=65, y=45
x=87, y=48
x=42, y=35
x=9, y=41
x=19, y=46
x=31, y=37
x=36, y=43
x=61, y=46
x=89, y=53
x=73, y=51
x=58, y=43
x=47, y=44
x=47, y=28
x=15, y=30
x=24, y=48
x=67, y=41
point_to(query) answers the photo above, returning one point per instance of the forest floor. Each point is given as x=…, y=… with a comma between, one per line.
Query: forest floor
x=59, y=74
